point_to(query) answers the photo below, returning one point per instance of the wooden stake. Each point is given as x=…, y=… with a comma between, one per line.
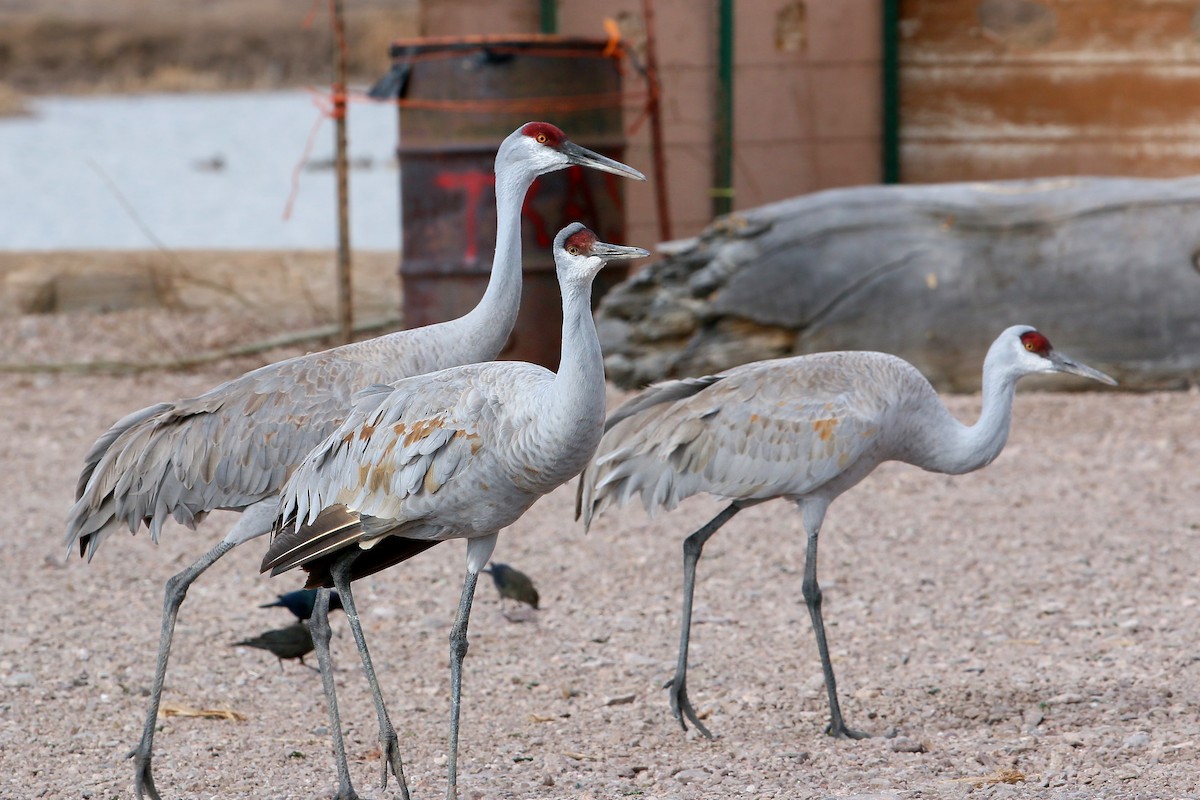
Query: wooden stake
x=341, y=165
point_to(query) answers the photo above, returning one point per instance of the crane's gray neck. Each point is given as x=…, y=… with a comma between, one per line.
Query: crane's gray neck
x=576, y=398
x=491, y=321
x=581, y=364
x=968, y=448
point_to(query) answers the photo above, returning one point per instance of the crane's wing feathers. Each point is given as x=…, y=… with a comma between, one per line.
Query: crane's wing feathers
x=666, y=392
x=387, y=461
x=757, y=433
x=293, y=544
x=227, y=448
x=658, y=394
x=410, y=441
x=315, y=546
x=97, y=451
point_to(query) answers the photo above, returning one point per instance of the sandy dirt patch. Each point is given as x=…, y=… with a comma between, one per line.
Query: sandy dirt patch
x=1036, y=620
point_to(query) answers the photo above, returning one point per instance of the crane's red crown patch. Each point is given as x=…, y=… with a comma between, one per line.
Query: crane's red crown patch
x=580, y=242
x=544, y=133
x=1036, y=343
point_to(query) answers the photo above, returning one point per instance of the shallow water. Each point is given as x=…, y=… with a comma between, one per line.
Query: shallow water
x=65, y=170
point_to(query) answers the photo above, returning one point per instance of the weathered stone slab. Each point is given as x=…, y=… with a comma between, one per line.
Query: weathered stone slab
x=1109, y=269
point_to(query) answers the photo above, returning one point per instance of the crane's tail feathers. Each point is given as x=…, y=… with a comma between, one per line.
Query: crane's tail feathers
x=658, y=394
x=616, y=476
x=579, y=486
x=101, y=445
x=334, y=528
x=389, y=551
x=129, y=479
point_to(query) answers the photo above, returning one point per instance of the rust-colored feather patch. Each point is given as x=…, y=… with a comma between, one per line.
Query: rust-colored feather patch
x=824, y=427
x=422, y=428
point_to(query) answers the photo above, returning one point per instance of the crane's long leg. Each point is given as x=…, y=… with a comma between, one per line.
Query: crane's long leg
x=389, y=745
x=458, y=651
x=692, y=546
x=255, y=521
x=176, y=590
x=318, y=626
x=814, y=514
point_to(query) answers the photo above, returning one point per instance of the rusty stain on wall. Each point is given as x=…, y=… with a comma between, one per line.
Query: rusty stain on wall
x=791, y=28
x=1000, y=89
x=1022, y=23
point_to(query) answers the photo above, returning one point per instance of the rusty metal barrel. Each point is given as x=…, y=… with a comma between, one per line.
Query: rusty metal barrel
x=458, y=98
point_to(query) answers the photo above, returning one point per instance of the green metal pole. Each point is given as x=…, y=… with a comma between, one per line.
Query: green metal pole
x=891, y=91
x=549, y=16
x=722, y=191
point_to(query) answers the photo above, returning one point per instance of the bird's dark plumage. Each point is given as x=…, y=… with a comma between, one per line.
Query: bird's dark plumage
x=300, y=602
x=294, y=641
x=513, y=584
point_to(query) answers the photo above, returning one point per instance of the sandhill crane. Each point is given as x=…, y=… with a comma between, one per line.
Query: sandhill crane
x=233, y=447
x=805, y=429
x=456, y=454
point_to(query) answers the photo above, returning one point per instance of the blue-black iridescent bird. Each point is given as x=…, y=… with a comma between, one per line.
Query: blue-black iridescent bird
x=300, y=602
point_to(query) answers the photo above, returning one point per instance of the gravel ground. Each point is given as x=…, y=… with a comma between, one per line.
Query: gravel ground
x=1035, y=621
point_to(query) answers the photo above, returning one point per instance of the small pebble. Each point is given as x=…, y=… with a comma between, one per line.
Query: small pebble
x=691, y=775
x=1139, y=739
x=1065, y=699
x=1033, y=717
x=903, y=744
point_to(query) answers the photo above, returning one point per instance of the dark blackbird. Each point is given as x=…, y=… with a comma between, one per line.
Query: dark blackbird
x=294, y=641
x=300, y=602
x=513, y=584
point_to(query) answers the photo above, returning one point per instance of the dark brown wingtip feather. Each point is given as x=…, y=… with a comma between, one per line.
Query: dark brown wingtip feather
x=318, y=576
x=392, y=550
x=334, y=528
x=579, y=492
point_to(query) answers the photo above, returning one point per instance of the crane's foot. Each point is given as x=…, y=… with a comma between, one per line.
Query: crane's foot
x=838, y=730
x=345, y=793
x=681, y=706
x=389, y=756
x=143, y=776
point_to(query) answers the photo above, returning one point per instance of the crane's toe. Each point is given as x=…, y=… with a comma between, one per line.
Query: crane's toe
x=143, y=777
x=840, y=731
x=681, y=705
x=389, y=747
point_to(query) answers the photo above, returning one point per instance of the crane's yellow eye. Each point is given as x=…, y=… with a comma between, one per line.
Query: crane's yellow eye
x=1029, y=346
x=573, y=250
x=541, y=138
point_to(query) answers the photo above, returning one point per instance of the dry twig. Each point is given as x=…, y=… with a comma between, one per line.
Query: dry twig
x=179, y=710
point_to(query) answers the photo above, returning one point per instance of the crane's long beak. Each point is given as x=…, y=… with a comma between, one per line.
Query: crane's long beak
x=617, y=252
x=1067, y=364
x=587, y=158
